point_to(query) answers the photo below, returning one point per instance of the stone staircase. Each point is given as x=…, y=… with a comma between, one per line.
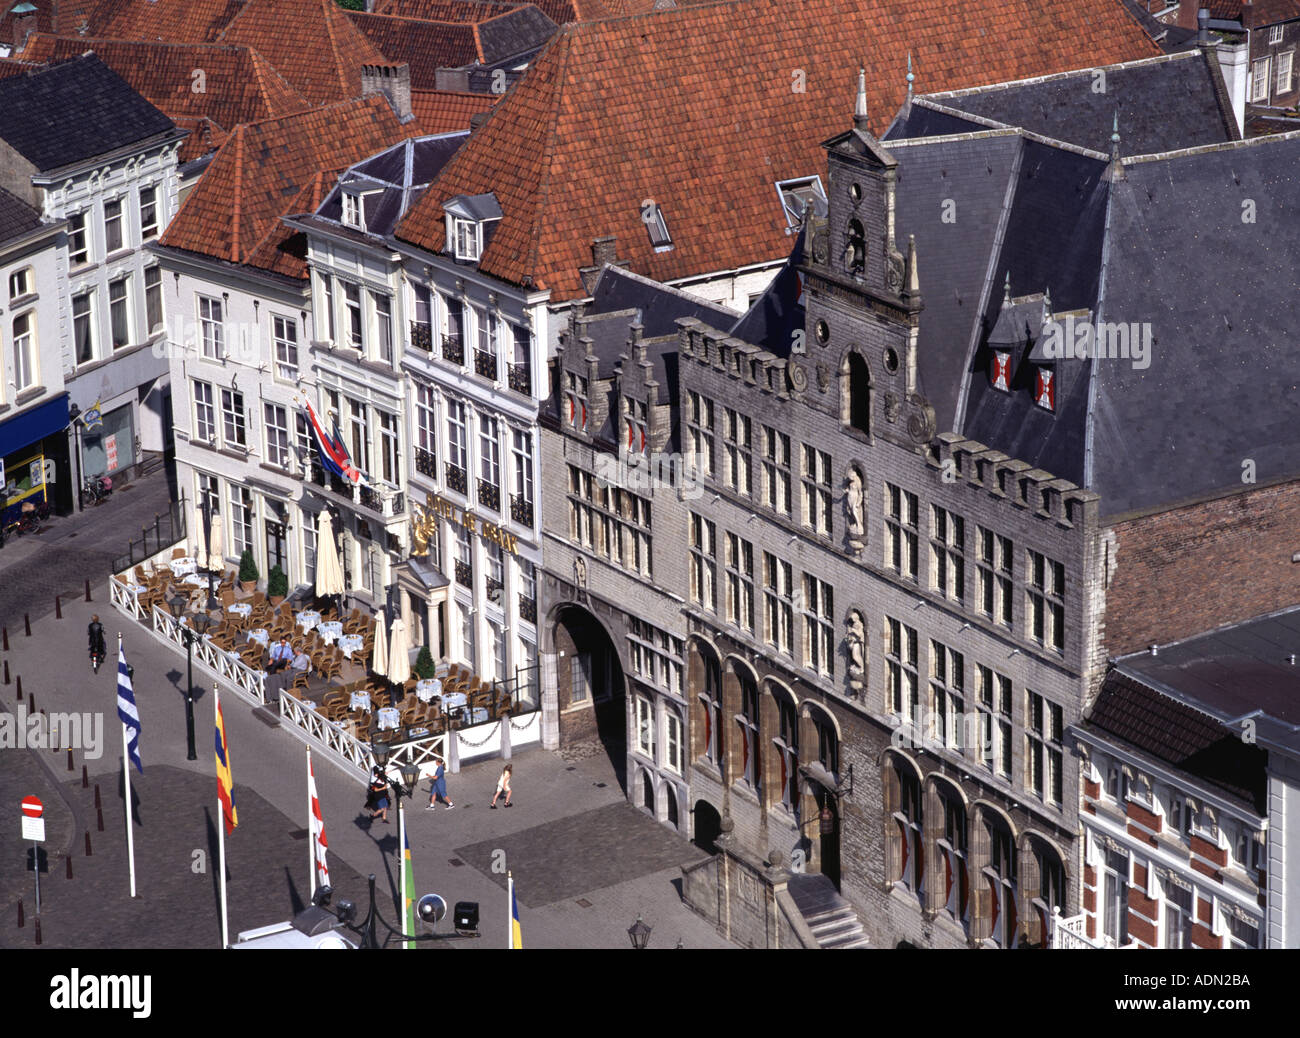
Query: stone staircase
x=831, y=919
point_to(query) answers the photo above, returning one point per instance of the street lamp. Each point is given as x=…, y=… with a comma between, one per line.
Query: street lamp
x=191, y=634
x=639, y=934
x=74, y=412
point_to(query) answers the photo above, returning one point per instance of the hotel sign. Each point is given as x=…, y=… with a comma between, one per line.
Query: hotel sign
x=435, y=505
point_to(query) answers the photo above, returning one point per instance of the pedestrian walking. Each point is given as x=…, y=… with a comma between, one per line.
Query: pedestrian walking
x=377, y=796
x=439, y=790
x=95, y=632
x=503, y=786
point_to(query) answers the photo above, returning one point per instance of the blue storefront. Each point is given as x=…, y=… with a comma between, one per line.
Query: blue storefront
x=34, y=460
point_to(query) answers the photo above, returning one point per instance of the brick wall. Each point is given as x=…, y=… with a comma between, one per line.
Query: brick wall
x=1218, y=562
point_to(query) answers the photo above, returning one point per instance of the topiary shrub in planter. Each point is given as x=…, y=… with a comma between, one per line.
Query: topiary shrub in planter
x=248, y=574
x=424, y=663
x=277, y=585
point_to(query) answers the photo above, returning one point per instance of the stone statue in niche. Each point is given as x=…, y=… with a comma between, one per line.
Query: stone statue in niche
x=855, y=506
x=856, y=642
x=580, y=571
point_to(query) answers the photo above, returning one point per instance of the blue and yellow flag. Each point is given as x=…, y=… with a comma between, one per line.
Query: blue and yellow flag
x=516, y=934
x=409, y=892
x=225, y=784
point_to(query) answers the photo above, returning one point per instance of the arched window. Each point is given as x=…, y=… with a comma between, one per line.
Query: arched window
x=647, y=792
x=711, y=701
x=1000, y=875
x=855, y=252
x=828, y=743
x=857, y=385
x=1044, y=882
x=787, y=751
x=951, y=853
x=908, y=821
x=752, y=768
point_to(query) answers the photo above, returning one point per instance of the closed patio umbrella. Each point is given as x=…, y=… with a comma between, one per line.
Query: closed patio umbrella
x=198, y=548
x=329, y=571
x=215, y=552
x=379, y=661
x=399, y=656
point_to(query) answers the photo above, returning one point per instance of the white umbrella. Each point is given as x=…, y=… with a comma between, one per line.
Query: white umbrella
x=399, y=656
x=379, y=661
x=198, y=548
x=329, y=571
x=215, y=560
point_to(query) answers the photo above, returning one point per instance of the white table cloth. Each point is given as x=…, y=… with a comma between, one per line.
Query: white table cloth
x=350, y=643
x=360, y=701
x=454, y=699
x=330, y=631
x=240, y=608
x=196, y=580
x=183, y=566
x=260, y=635
x=427, y=689
x=308, y=619
x=389, y=717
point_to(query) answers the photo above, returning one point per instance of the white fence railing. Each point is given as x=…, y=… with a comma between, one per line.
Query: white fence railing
x=1072, y=934
x=329, y=734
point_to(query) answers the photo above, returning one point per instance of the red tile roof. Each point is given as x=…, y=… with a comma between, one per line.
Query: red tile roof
x=443, y=111
x=205, y=138
x=424, y=45
x=173, y=21
x=312, y=43
x=696, y=109
x=269, y=169
x=238, y=84
x=559, y=11
x=14, y=67
x=443, y=10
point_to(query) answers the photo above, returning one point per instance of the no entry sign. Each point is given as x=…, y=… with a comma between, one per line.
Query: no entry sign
x=33, y=823
x=32, y=808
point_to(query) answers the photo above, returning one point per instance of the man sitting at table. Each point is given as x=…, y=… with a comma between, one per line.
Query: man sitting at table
x=281, y=656
x=301, y=662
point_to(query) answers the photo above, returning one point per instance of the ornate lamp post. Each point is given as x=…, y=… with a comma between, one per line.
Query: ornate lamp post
x=191, y=634
x=639, y=934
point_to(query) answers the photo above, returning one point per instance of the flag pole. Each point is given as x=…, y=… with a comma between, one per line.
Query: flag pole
x=311, y=829
x=126, y=771
x=221, y=830
x=401, y=869
x=510, y=910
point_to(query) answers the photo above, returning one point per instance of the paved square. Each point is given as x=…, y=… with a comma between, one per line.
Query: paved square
x=580, y=853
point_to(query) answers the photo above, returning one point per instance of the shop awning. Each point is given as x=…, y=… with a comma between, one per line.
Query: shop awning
x=30, y=426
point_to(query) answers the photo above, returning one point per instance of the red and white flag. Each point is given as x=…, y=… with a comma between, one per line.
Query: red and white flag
x=320, y=876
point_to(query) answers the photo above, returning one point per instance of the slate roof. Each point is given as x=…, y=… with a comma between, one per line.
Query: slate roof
x=1176, y=734
x=312, y=44
x=74, y=111
x=17, y=218
x=240, y=85
x=668, y=106
x=1164, y=103
x=430, y=45
x=779, y=312
x=442, y=111
x=271, y=168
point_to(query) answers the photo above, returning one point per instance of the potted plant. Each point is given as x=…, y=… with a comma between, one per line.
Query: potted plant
x=277, y=586
x=424, y=663
x=248, y=574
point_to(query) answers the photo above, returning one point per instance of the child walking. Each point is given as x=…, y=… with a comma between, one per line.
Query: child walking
x=503, y=786
x=439, y=791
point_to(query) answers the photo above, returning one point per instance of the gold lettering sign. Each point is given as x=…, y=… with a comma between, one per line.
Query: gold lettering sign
x=489, y=531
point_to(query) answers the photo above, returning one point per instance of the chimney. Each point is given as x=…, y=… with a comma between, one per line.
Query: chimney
x=394, y=82
x=860, y=106
x=1203, y=26
x=604, y=250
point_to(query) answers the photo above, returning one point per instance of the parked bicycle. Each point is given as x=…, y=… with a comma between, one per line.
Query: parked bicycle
x=26, y=519
x=96, y=490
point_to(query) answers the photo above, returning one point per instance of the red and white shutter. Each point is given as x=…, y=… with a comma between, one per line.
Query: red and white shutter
x=1045, y=389
x=1000, y=371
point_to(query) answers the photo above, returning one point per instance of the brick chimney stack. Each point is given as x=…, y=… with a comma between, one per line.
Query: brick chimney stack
x=394, y=82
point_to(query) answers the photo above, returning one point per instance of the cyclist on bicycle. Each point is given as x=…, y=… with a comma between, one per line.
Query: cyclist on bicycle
x=97, y=648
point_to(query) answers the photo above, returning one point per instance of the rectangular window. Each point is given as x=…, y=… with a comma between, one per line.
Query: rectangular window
x=211, y=331
x=83, y=327
x=1282, y=79
x=947, y=696
x=489, y=456
x=205, y=419
x=904, y=686
x=457, y=439
x=113, y=238
x=1179, y=916
x=388, y=450
x=422, y=322
x=699, y=424
x=635, y=425
x=1043, y=737
x=355, y=321
x=1242, y=933
x=351, y=210
x=327, y=290
x=521, y=508
x=426, y=431
x=277, y=436
x=740, y=582
x=24, y=352
x=1115, y=899
x=672, y=741
x=232, y=418
x=467, y=239
x=994, y=565
x=778, y=603
x=453, y=344
x=947, y=554
x=818, y=626
x=359, y=420
x=704, y=562
x=645, y=726
x=576, y=398
x=1259, y=71
x=308, y=528
x=464, y=557
x=153, y=301
x=994, y=691
x=817, y=490
x=486, y=324
x=384, y=326
x=1274, y=35
x=1046, y=600
x=900, y=531
x=78, y=240
x=285, y=334
x=119, y=311
x=776, y=470
x=738, y=444
x=148, y=212
x=241, y=519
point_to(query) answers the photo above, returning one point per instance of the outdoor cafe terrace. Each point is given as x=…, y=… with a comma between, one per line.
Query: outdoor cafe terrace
x=363, y=717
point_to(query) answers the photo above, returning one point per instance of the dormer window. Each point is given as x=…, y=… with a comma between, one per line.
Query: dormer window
x=1000, y=370
x=469, y=222
x=1045, y=388
x=467, y=245
x=798, y=197
x=352, y=212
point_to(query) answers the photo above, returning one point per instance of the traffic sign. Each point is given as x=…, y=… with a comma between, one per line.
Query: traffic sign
x=32, y=807
x=34, y=829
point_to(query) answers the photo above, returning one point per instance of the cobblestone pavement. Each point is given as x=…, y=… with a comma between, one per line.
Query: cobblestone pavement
x=570, y=837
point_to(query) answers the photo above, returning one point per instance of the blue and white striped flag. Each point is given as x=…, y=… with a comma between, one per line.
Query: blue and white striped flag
x=126, y=708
